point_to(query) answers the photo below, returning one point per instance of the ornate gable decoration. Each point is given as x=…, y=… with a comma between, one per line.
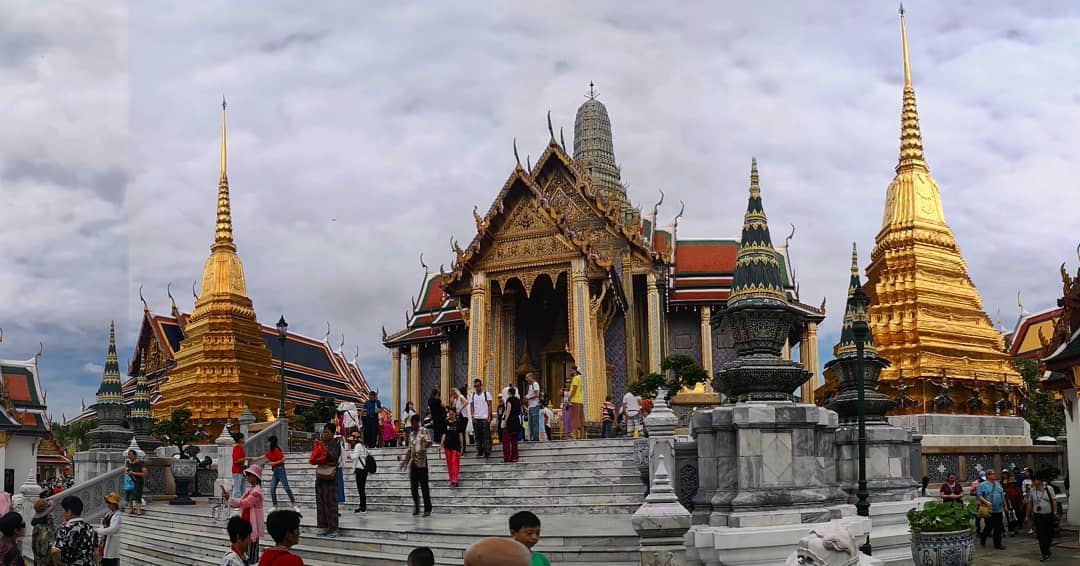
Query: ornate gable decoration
x=557, y=217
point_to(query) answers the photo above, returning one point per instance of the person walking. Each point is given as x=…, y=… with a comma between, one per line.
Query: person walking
x=979, y=521
x=549, y=417
x=275, y=458
x=459, y=403
x=511, y=426
x=109, y=531
x=452, y=447
x=577, y=404
x=990, y=494
x=415, y=459
x=44, y=531
x=565, y=410
x=532, y=400
x=631, y=414
x=1042, y=511
x=134, y=469
x=325, y=456
x=480, y=409
x=951, y=491
x=372, y=411
x=1014, y=518
x=359, y=458
x=438, y=415
x=406, y=417
x=13, y=528
x=250, y=505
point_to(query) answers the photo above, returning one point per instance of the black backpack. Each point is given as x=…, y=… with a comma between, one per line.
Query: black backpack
x=370, y=465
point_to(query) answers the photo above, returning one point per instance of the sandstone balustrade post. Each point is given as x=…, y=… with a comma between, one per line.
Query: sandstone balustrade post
x=246, y=419
x=660, y=424
x=224, y=443
x=661, y=522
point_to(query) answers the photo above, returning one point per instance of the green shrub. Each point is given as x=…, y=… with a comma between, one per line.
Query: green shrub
x=937, y=517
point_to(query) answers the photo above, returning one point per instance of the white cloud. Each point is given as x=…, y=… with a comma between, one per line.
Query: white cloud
x=397, y=119
x=93, y=369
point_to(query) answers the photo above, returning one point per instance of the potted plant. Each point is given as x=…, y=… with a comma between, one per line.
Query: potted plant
x=942, y=535
x=175, y=432
x=684, y=374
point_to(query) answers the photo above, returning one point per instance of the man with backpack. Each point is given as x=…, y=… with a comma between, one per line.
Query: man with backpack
x=480, y=407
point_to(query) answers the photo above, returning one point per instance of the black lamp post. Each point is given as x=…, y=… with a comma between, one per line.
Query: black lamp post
x=860, y=328
x=283, y=336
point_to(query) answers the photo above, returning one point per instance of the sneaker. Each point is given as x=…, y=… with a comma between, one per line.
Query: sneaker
x=427, y=513
x=1044, y=558
x=331, y=534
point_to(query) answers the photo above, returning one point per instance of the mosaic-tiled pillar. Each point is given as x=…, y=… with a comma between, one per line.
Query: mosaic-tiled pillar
x=395, y=380
x=653, y=305
x=414, y=375
x=706, y=345
x=579, y=290
x=478, y=323
x=444, y=368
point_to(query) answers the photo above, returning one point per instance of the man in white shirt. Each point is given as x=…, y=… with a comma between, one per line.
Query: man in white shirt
x=532, y=396
x=480, y=408
x=631, y=407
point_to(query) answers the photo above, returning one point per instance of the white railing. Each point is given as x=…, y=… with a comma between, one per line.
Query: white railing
x=92, y=493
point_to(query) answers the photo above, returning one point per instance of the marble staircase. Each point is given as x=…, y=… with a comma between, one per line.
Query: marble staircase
x=583, y=492
x=562, y=477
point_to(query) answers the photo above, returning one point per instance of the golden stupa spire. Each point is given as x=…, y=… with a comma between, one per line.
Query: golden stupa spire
x=911, y=149
x=223, y=236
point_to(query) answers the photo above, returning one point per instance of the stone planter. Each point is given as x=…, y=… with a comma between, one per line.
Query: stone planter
x=183, y=471
x=956, y=548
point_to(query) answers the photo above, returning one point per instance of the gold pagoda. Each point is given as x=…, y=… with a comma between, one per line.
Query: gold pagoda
x=223, y=363
x=925, y=313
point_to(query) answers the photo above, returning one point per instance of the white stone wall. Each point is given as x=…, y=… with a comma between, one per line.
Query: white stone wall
x=1072, y=432
x=19, y=455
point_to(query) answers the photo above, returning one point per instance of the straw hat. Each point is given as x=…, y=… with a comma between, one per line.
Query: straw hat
x=113, y=498
x=43, y=507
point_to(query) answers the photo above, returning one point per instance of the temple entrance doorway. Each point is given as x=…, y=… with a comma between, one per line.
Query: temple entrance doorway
x=542, y=326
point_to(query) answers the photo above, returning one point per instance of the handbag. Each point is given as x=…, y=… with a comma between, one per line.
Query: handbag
x=983, y=512
x=129, y=484
x=326, y=472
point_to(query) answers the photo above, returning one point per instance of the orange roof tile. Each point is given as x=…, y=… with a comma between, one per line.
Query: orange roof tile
x=713, y=257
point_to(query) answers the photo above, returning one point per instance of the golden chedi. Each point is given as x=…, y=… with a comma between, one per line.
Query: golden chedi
x=223, y=363
x=926, y=315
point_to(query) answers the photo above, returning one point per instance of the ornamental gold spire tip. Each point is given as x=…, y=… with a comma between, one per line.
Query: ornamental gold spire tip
x=854, y=259
x=223, y=236
x=911, y=146
x=903, y=41
x=223, y=153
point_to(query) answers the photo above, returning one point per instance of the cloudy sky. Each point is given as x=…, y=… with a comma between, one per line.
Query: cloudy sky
x=361, y=135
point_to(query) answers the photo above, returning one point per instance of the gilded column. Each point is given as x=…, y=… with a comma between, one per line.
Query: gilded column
x=812, y=361
x=395, y=380
x=506, y=351
x=579, y=288
x=444, y=368
x=804, y=359
x=414, y=376
x=478, y=322
x=785, y=354
x=707, y=345
x=630, y=321
x=654, y=306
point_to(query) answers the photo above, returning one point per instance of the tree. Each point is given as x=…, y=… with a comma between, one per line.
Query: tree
x=323, y=411
x=175, y=432
x=685, y=373
x=73, y=436
x=1042, y=413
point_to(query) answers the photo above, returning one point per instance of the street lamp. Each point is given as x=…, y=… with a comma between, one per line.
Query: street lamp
x=860, y=328
x=283, y=336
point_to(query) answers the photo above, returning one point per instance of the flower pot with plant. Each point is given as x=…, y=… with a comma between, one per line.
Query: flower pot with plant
x=942, y=535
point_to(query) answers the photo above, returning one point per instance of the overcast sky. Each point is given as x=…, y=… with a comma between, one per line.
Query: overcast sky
x=363, y=134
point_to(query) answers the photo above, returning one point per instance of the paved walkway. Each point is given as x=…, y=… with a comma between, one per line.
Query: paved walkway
x=1023, y=550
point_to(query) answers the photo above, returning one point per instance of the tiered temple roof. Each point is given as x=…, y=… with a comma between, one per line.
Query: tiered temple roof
x=22, y=400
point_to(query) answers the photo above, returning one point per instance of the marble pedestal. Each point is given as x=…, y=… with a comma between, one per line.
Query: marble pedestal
x=888, y=462
x=768, y=464
x=765, y=545
x=92, y=463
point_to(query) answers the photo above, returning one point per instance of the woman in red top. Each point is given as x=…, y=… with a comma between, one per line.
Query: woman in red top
x=276, y=459
x=284, y=528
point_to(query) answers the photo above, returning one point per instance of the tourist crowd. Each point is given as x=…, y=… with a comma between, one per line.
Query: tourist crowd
x=1017, y=499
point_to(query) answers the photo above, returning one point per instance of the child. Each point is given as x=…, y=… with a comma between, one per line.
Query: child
x=525, y=528
x=240, y=539
x=452, y=447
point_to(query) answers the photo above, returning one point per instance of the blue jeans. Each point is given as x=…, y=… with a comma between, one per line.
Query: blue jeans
x=534, y=423
x=340, y=486
x=238, y=484
x=605, y=430
x=280, y=477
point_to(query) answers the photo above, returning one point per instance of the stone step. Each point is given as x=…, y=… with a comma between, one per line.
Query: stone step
x=441, y=487
x=553, y=476
x=184, y=536
x=525, y=460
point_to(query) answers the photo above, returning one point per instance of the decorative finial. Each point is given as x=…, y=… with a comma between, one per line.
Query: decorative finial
x=787, y=240
x=516, y=157
x=591, y=95
x=562, y=140
x=326, y=338
x=40, y=351
x=223, y=156
x=551, y=130
x=528, y=163
x=168, y=291
x=854, y=260
x=911, y=147
x=194, y=293
x=342, y=343
x=146, y=307
x=1, y=335
x=422, y=264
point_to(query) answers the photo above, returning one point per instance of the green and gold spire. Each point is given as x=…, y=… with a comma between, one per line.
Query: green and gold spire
x=846, y=348
x=110, y=390
x=140, y=407
x=594, y=150
x=757, y=267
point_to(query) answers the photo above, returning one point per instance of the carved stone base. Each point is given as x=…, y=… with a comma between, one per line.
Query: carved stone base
x=888, y=463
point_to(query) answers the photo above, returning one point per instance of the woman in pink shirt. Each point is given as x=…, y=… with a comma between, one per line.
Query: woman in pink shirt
x=251, y=509
x=389, y=432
